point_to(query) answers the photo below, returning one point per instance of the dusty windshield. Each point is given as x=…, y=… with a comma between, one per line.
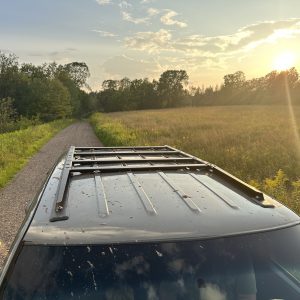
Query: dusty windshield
x=257, y=266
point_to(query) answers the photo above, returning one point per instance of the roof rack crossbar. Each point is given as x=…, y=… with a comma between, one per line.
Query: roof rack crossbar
x=132, y=160
x=121, y=168
x=113, y=153
x=153, y=148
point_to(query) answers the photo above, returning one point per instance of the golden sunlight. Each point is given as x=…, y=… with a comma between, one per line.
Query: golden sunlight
x=284, y=61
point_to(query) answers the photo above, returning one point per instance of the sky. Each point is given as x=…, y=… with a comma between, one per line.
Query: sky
x=143, y=38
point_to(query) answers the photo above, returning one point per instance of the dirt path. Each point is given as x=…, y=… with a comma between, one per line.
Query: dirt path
x=25, y=185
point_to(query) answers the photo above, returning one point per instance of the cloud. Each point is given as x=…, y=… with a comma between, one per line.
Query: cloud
x=243, y=40
x=152, y=12
x=124, y=4
x=105, y=33
x=198, y=52
x=121, y=66
x=104, y=2
x=150, y=41
x=147, y=1
x=129, y=18
x=167, y=19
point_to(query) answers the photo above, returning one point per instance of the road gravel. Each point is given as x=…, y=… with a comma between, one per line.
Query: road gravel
x=24, y=186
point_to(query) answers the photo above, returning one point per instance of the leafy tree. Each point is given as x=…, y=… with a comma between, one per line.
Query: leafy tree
x=8, y=74
x=110, y=85
x=170, y=87
x=7, y=114
x=235, y=80
x=78, y=73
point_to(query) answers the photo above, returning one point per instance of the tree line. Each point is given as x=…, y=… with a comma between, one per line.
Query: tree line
x=126, y=94
x=273, y=88
x=51, y=91
x=172, y=90
x=45, y=92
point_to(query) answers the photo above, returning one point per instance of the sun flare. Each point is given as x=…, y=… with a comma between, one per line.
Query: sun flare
x=284, y=61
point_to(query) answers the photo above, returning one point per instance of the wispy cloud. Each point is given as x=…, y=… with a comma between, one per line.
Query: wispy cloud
x=124, y=4
x=243, y=40
x=152, y=12
x=150, y=41
x=129, y=18
x=105, y=33
x=104, y=2
x=147, y=1
x=168, y=19
x=198, y=52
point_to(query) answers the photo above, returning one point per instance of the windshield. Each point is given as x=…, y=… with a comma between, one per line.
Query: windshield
x=256, y=266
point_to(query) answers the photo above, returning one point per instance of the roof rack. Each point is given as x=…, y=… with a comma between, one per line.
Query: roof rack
x=96, y=160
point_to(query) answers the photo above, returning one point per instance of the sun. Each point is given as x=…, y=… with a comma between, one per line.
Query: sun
x=284, y=61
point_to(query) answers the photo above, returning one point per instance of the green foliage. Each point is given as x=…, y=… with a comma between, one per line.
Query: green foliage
x=276, y=186
x=252, y=147
x=111, y=132
x=170, y=87
x=281, y=188
x=10, y=121
x=7, y=114
x=124, y=94
x=270, y=89
x=50, y=91
x=18, y=146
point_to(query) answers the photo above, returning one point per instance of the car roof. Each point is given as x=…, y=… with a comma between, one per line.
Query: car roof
x=140, y=194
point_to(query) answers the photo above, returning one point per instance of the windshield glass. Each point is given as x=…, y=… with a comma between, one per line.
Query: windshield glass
x=256, y=266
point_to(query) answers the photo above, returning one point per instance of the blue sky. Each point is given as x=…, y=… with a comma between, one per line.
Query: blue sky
x=142, y=38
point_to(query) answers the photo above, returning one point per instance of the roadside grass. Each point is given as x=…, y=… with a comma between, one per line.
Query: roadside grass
x=17, y=147
x=255, y=143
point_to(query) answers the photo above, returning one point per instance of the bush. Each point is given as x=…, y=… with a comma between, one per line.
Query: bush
x=7, y=115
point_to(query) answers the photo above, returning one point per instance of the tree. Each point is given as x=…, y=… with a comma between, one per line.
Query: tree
x=110, y=84
x=78, y=73
x=235, y=80
x=7, y=114
x=170, y=87
x=33, y=71
x=9, y=76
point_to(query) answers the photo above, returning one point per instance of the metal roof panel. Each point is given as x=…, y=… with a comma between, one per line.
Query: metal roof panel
x=129, y=206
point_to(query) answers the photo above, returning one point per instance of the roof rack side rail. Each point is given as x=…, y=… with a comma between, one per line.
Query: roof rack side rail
x=256, y=196
x=59, y=209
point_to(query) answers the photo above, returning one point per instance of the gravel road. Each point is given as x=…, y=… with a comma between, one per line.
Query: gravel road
x=15, y=196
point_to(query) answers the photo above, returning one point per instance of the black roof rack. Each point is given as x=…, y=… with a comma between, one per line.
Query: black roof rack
x=95, y=160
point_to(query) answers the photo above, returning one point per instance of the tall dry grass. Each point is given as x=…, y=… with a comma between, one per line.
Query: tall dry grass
x=255, y=143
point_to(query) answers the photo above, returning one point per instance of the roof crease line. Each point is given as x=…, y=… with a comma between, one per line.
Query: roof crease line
x=183, y=196
x=142, y=194
x=229, y=203
x=101, y=201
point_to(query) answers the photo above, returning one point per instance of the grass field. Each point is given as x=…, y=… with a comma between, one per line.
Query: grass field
x=18, y=146
x=255, y=143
